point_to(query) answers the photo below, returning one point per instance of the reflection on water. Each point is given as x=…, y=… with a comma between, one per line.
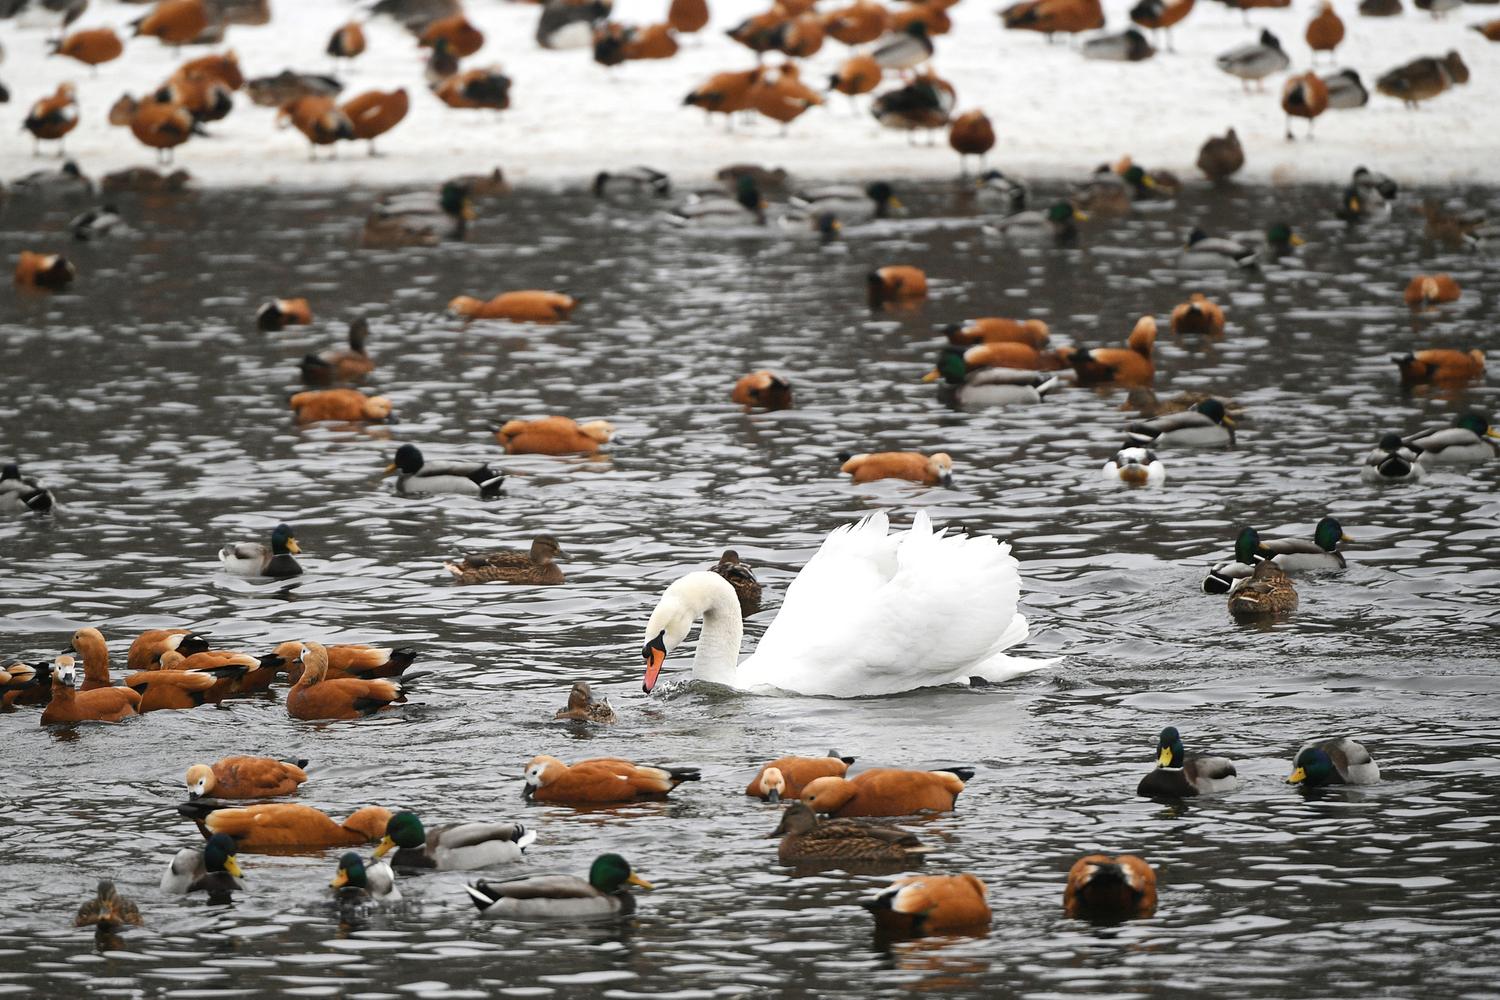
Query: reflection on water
x=149, y=403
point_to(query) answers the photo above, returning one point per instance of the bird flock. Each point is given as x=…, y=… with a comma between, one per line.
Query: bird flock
x=924, y=575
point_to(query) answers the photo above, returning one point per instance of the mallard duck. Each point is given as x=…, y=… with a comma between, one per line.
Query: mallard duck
x=1124, y=46
x=52, y=118
x=19, y=495
x=1335, y=761
x=254, y=559
x=742, y=579
x=1455, y=223
x=105, y=704
x=66, y=182
x=1255, y=61
x=632, y=179
x=1136, y=467
x=746, y=208
x=912, y=466
x=245, y=778
x=1458, y=444
x=1161, y=15
x=287, y=86
x=971, y=134
x=1428, y=290
x=931, y=904
x=804, y=838
x=1198, y=315
x=1207, y=423
x=317, y=696
x=923, y=104
x=356, y=882
x=280, y=826
x=1180, y=775
x=1205, y=252
x=763, y=390
x=904, y=50
x=213, y=869
x=896, y=284
x=416, y=220
x=1280, y=239
x=1128, y=366
x=887, y=791
x=601, y=780
x=1008, y=194
x=582, y=707
x=1267, y=594
x=1345, y=90
x=785, y=777
x=1220, y=157
x=51, y=272
x=418, y=476
x=535, y=566
x=1423, y=79
x=340, y=365
x=144, y=180
x=1302, y=554
x=97, y=223
x=1304, y=96
x=1058, y=224
x=108, y=910
x=1391, y=461
x=1104, y=888
x=848, y=202
x=554, y=436
x=986, y=387
x=1369, y=195
x=570, y=25
x=562, y=897
x=453, y=846
x=1052, y=16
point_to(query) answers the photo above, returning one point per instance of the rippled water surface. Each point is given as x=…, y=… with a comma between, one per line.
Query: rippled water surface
x=154, y=409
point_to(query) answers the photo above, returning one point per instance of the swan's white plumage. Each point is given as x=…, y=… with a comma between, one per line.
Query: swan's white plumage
x=871, y=613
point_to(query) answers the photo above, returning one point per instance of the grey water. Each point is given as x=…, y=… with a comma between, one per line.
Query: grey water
x=148, y=401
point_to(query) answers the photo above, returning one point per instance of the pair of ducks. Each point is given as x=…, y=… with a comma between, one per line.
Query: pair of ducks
x=1335, y=761
x=1398, y=459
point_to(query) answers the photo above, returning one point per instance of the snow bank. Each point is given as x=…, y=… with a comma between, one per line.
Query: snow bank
x=1056, y=113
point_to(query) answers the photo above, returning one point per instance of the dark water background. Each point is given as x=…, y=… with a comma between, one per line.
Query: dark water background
x=148, y=401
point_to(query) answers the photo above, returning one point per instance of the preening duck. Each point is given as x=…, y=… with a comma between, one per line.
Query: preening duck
x=584, y=707
x=255, y=559
x=742, y=578
x=1179, y=774
x=886, y=791
x=873, y=612
x=452, y=846
x=931, y=904
x=290, y=825
x=1336, y=761
x=562, y=897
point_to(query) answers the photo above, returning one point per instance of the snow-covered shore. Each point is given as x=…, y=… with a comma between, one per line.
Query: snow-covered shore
x=1057, y=114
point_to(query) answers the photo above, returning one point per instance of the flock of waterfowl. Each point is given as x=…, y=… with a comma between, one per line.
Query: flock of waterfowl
x=874, y=612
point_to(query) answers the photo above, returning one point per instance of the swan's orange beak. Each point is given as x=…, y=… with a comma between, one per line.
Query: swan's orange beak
x=655, y=654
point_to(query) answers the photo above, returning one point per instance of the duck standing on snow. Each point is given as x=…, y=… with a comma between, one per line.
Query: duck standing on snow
x=1255, y=61
x=836, y=632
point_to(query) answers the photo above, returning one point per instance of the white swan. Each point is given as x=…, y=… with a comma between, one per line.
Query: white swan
x=871, y=613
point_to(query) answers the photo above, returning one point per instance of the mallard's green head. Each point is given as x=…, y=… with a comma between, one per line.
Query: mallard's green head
x=454, y=200
x=747, y=194
x=1169, y=752
x=1313, y=767
x=218, y=855
x=952, y=366
x=1063, y=211
x=1281, y=237
x=1214, y=410
x=402, y=830
x=1137, y=178
x=283, y=541
x=408, y=460
x=611, y=873
x=351, y=872
x=1478, y=423
x=1329, y=533
x=883, y=196
x=1247, y=547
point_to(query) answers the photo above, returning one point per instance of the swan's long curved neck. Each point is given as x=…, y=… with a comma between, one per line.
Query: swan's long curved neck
x=718, y=655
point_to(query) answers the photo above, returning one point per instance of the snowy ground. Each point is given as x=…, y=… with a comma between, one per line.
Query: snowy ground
x=1057, y=114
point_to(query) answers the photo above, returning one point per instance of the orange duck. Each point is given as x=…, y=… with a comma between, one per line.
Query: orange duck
x=147, y=648
x=314, y=696
x=1052, y=16
x=244, y=778
x=519, y=307
x=931, y=904
x=1444, y=367
x=1304, y=96
x=688, y=16
x=1130, y=365
x=971, y=134
x=859, y=74
x=347, y=41
x=934, y=19
x=318, y=118
x=759, y=32
x=175, y=22
x=886, y=791
x=89, y=644
x=204, y=96
x=101, y=705
x=24, y=684
x=339, y=404
x=290, y=825
x=254, y=673
x=44, y=271
x=279, y=313
x=554, y=436
x=52, y=117
x=783, y=98
x=801, y=37
x=913, y=466
x=1198, y=315
x=1325, y=31
x=601, y=780
x=785, y=777
x=376, y=112
x=176, y=690
x=896, y=284
x=223, y=67
x=162, y=126
x=475, y=88
x=1104, y=888
x=1161, y=15
x=999, y=330
x=999, y=354
x=92, y=46
x=463, y=38
x=725, y=93
x=763, y=389
x=349, y=660
x=617, y=43
x=859, y=23
x=1431, y=289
